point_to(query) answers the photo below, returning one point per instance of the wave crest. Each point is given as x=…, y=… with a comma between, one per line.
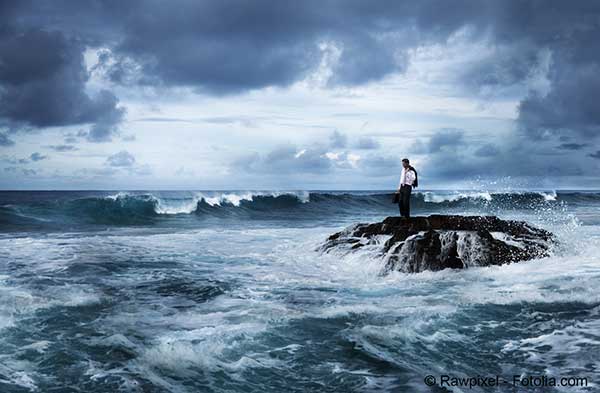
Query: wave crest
x=125, y=208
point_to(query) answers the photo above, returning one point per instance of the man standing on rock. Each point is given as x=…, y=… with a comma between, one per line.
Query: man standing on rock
x=408, y=180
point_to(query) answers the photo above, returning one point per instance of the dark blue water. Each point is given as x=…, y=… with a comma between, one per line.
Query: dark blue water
x=224, y=292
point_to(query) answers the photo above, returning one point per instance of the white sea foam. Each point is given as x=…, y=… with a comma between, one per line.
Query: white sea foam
x=208, y=347
x=118, y=195
x=506, y=238
x=40, y=257
x=235, y=198
x=165, y=205
x=549, y=196
x=17, y=302
x=15, y=372
x=440, y=196
x=277, y=282
x=179, y=206
x=561, y=278
x=570, y=349
x=38, y=346
x=486, y=196
x=127, y=383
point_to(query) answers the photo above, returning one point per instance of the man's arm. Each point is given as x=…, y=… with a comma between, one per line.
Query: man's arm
x=410, y=177
x=400, y=182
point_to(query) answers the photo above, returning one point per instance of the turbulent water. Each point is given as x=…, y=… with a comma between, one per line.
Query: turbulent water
x=224, y=292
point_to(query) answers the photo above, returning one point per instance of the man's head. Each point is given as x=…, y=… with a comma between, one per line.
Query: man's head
x=405, y=163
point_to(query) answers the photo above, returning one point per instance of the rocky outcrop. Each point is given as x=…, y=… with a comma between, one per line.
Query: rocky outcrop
x=439, y=241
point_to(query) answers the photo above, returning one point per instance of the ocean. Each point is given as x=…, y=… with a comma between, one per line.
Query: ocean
x=224, y=291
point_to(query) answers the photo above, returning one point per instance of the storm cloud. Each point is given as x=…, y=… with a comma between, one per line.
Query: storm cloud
x=42, y=80
x=233, y=46
x=544, y=55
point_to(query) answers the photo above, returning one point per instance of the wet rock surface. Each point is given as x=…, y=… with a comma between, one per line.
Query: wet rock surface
x=439, y=242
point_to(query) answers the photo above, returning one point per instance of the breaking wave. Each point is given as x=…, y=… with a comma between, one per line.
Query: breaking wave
x=140, y=208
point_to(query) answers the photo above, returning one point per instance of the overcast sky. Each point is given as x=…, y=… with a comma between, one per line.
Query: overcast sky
x=298, y=94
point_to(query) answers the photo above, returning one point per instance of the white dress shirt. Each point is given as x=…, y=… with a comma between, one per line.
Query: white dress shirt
x=407, y=177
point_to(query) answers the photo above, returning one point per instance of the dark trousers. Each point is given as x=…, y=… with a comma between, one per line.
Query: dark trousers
x=404, y=203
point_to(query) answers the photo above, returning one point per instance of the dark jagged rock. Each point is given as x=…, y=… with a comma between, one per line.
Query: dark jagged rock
x=439, y=241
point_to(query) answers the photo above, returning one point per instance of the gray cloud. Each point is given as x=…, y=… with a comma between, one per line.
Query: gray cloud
x=419, y=147
x=571, y=146
x=108, y=120
x=43, y=80
x=487, y=150
x=141, y=170
x=224, y=47
x=366, y=143
x=5, y=140
x=219, y=47
x=570, y=108
x=14, y=160
x=34, y=157
x=285, y=159
x=366, y=60
x=445, y=137
x=23, y=171
x=97, y=172
x=62, y=148
x=37, y=157
x=504, y=68
x=378, y=165
x=475, y=159
x=316, y=159
x=240, y=46
x=121, y=159
x=338, y=140
x=439, y=140
x=595, y=155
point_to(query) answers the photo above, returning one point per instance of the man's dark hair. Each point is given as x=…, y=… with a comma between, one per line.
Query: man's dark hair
x=406, y=160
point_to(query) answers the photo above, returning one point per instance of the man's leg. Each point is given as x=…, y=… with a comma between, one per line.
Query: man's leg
x=405, y=201
x=401, y=201
x=407, y=206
